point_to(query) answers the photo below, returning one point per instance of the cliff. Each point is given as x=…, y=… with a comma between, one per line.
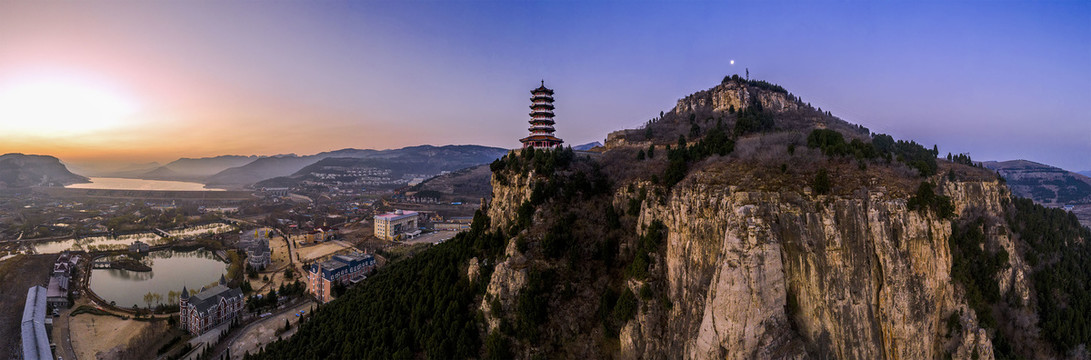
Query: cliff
x=764, y=275
x=755, y=263
x=793, y=236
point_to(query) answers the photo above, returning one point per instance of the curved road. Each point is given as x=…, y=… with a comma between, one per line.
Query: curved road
x=225, y=344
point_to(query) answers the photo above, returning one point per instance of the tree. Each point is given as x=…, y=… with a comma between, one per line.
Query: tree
x=651, y=151
x=640, y=155
x=821, y=183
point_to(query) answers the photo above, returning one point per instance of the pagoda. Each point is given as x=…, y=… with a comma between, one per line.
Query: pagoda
x=541, y=120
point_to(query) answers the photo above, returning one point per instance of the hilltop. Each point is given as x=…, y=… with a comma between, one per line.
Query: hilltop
x=20, y=171
x=742, y=223
x=1046, y=185
x=383, y=168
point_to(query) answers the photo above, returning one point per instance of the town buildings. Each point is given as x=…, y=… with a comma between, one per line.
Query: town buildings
x=344, y=269
x=256, y=245
x=57, y=290
x=396, y=225
x=35, y=337
x=139, y=247
x=209, y=308
x=541, y=120
x=320, y=234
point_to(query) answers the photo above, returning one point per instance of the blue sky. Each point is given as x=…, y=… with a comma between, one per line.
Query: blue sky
x=999, y=80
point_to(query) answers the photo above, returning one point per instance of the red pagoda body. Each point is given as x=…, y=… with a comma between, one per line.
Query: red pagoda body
x=541, y=120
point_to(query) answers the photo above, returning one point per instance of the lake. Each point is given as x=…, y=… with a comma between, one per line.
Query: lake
x=170, y=271
x=109, y=183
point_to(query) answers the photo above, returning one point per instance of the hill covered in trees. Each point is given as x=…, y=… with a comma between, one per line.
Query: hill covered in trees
x=743, y=223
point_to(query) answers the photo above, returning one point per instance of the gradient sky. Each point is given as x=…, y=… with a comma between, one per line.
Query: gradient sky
x=999, y=80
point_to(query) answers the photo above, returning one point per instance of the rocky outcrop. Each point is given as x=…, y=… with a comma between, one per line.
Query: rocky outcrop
x=508, y=279
x=510, y=274
x=622, y=138
x=508, y=193
x=737, y=95
x=785, y=275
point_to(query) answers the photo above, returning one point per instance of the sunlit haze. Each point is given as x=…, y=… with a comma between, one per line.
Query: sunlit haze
x=154, y=81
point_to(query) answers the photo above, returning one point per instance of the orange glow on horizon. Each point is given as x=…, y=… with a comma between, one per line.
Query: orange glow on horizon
x=60, y=107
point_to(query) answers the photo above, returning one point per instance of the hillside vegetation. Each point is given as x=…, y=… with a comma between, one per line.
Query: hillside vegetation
x=744, y=223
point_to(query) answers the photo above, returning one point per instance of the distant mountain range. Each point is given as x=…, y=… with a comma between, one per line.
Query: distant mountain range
x=20, y=171
x=425, y=160
x=587, y=146
x=235, y=171
x=198, y=169
x=1086, y=173
x=1046, y=185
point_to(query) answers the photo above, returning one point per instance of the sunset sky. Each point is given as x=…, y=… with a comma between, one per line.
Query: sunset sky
x=139, y=81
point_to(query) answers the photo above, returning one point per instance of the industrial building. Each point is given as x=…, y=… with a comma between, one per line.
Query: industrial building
x=35, y=337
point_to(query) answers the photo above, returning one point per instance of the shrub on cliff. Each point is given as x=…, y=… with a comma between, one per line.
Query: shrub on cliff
x=927, y=199
x=821, y=183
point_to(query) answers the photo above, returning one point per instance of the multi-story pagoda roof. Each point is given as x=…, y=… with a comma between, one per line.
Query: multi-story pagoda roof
x=541, y=120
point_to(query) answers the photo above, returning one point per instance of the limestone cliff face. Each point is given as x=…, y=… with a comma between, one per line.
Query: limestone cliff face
x=784, y=275
x=510, y=275
x=507, y=195
x=734, y=94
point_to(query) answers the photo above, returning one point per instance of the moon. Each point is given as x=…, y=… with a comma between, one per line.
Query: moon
x=732, y=62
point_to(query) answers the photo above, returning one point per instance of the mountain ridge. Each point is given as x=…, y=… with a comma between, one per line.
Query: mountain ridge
x=21, y=171
x=286, y=166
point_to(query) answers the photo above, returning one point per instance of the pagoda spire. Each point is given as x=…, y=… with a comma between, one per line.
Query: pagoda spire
x=541, y=120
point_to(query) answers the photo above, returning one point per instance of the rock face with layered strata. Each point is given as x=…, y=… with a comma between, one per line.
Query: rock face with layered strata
x=784, y=275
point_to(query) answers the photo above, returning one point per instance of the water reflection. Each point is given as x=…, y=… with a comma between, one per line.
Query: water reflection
x=140, y=184
x=170, y=271
x=101, y=243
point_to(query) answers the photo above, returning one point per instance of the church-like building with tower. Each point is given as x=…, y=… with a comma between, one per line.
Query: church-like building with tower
x=541, y=120
x=209, y=308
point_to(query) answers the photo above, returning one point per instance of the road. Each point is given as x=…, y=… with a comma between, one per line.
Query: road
x=272, y=321
x=62, y=336
x=434, y=237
